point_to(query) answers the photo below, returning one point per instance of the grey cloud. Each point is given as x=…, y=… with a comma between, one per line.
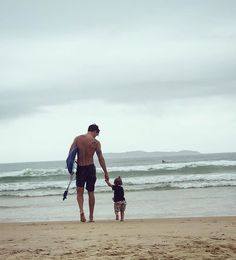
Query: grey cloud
x=56, y=52
x=22, y=102
x=27, y=17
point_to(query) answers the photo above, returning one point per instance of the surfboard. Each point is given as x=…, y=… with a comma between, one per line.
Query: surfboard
x=70, y=161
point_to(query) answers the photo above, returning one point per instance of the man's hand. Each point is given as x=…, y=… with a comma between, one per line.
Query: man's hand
x=106, y=176
x=108, y=183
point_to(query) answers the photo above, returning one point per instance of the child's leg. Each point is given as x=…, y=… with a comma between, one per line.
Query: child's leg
x=122, y=211
x=116, y=209
x=122, y=214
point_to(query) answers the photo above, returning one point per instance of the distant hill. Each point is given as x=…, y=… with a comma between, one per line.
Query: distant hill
x=138, y=154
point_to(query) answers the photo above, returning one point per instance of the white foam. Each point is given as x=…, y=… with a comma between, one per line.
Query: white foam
x=171, y=166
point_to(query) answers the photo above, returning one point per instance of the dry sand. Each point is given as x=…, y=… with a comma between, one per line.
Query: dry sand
x=184, y=238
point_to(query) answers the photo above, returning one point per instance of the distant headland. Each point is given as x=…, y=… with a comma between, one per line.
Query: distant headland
x=137, y=154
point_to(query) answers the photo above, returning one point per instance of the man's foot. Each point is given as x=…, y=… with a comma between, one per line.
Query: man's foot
x=117, y=217
x=91, y=219
x=82, y=217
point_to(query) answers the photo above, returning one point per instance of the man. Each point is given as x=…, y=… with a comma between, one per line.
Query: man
x=86, y=171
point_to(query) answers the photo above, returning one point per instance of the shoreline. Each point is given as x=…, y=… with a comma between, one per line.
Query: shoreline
x=104, y=221
x=162, y=238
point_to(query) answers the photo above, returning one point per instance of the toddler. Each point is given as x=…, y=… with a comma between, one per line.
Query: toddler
x=119, y=199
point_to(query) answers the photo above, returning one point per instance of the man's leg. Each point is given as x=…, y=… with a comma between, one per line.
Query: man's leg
x=80, y=200
x=91, y=204
x=91, y=180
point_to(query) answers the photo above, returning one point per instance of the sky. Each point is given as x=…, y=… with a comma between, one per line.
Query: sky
x=154, y=75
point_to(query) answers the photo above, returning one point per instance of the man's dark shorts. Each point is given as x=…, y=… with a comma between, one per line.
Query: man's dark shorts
x=86, y=174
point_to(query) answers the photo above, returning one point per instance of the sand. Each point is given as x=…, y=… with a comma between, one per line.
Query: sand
x=183, y=238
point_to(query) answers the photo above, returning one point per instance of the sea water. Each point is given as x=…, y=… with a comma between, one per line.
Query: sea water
x=185, y=186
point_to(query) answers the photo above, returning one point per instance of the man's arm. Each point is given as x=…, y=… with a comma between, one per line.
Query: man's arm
x=73, y=144
x=102, y=161
x=108, y=183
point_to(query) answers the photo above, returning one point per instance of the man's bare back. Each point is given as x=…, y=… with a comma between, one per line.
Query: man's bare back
x=87, y=145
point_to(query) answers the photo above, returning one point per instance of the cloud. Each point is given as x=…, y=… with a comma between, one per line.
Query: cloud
x=155, y=75
x=57, y=53
x=16, y=103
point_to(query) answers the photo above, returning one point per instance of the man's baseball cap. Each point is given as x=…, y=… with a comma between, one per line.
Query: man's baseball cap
x=93, y=128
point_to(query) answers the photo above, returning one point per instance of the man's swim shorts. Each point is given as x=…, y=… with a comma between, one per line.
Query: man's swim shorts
x=86, y=174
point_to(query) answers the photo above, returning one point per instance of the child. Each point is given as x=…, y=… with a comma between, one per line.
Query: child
x=119, y=199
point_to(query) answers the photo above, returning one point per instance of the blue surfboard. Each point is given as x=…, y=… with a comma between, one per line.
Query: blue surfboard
x=71, y=159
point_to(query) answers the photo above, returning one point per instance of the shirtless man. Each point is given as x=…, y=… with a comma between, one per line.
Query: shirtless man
x=86, y=171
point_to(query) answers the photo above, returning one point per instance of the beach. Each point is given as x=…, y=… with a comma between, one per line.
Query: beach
x=177, y=238
x=184, y=209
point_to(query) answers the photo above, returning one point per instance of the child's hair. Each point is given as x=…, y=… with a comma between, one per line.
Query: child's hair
x=118, y=181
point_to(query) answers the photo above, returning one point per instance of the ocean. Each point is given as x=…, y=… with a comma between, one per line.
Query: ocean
x=184, y=186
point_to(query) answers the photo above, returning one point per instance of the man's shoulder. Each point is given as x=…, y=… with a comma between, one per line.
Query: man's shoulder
x=97, y=143
x=78, y=137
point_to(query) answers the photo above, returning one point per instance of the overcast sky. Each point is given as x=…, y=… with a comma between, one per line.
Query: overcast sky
x=154, y=75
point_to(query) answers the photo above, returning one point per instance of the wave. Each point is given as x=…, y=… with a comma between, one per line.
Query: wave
x=199, y=167
x=163, y=176
x=31, y=189
x=128, y=180
x=34, y=173
x=160, y=187
x=179, y=168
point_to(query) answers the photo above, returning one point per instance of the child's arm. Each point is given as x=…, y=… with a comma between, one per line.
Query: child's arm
x=108, y=183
